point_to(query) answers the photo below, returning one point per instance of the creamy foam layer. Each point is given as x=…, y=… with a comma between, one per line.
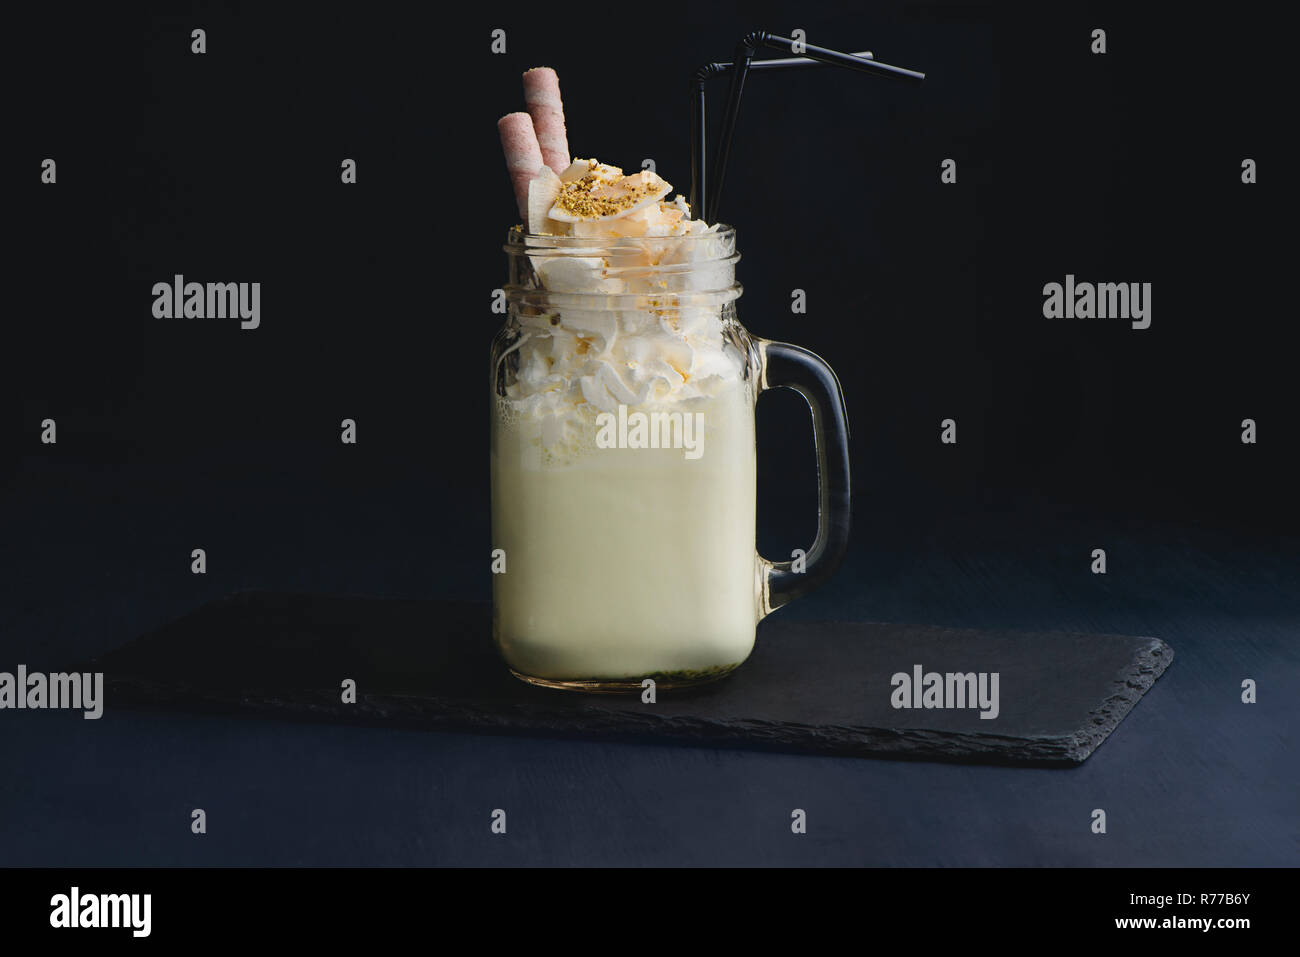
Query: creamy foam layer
x=660, y=343
x=593, y=362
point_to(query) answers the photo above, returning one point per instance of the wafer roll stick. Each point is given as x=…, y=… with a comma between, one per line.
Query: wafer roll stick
x=542, y=95
x=523, y=155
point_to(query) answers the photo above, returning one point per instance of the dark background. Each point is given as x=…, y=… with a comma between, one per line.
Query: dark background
x=926, y=298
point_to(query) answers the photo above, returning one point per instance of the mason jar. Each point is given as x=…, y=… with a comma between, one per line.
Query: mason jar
x=623, y=463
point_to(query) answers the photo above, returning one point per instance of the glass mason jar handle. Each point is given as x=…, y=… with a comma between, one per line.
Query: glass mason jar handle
x=784, y=366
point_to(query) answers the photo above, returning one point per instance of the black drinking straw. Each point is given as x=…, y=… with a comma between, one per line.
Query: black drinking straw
x=708, y=193
x=699, y=119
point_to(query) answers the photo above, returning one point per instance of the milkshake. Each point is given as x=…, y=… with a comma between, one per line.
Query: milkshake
x=622, y=452
x=623, y=456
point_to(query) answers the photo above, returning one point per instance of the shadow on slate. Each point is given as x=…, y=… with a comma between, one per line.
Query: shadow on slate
x=820, y=688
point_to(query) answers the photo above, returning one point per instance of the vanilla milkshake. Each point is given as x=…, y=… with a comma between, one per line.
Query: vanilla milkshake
x=623, y=458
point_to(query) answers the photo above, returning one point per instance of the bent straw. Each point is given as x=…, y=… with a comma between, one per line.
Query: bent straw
x=743, y=63
x=699, y=119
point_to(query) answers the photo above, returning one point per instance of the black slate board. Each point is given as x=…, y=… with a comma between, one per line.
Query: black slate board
x=808, y=687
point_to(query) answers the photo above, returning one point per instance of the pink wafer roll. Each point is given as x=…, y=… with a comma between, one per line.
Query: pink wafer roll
x=542, y=94
x=523, y=155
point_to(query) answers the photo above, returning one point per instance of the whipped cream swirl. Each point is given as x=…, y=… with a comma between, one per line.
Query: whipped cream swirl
x=633, y=308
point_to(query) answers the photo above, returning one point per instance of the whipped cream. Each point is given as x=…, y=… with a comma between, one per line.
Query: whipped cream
x=660, y=342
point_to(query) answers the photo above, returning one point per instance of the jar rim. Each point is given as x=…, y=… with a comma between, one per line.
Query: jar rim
x=517, y=239
x=651, y=277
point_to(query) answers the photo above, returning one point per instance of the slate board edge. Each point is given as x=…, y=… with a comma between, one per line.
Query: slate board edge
x=1129, y=687
x=431, y=714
